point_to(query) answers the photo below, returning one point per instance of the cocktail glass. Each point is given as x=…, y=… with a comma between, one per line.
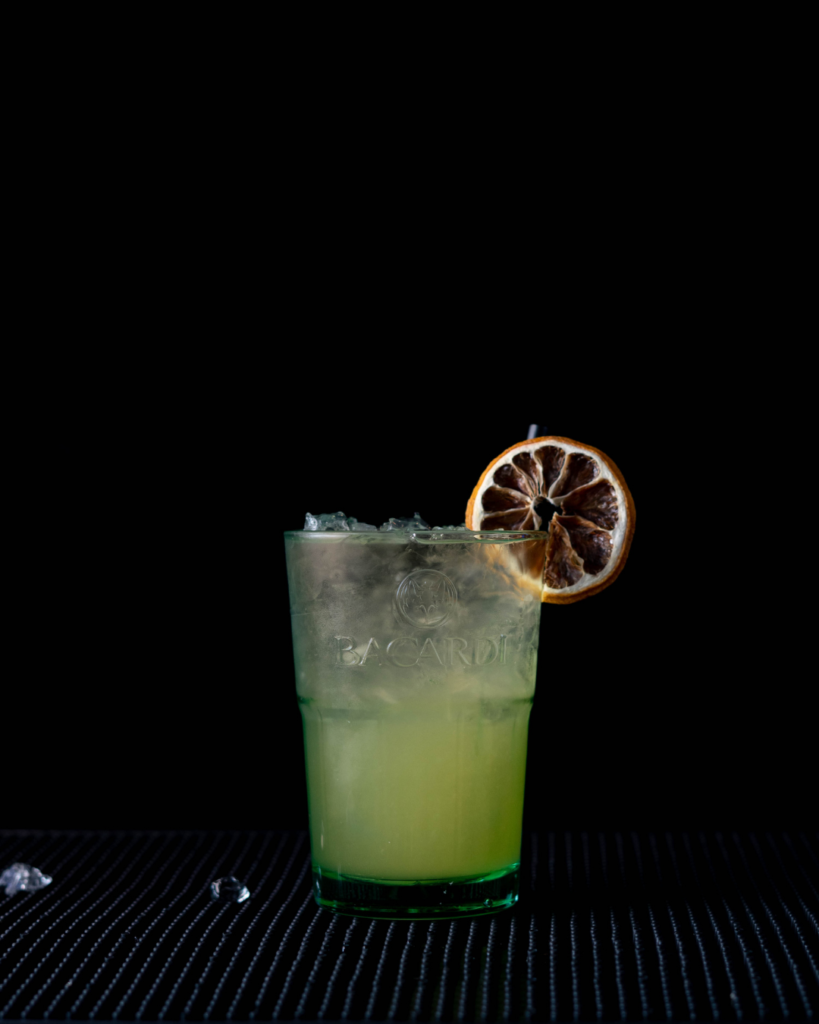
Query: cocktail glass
x=415, y=656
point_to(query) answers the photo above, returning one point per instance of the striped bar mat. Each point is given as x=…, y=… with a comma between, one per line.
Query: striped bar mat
x=610, y=927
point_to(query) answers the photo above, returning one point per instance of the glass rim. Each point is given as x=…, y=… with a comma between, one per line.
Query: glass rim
x=426, y=536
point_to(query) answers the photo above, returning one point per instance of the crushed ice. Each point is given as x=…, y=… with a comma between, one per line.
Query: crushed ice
x=338, y=522
x=23, y=878
x=229, y=890
x=327, y=521
x=416, y=523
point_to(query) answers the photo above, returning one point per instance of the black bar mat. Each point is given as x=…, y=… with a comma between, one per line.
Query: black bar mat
x=610, y=927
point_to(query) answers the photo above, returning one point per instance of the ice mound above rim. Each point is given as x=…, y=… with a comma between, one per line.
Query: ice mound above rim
x=338, y=522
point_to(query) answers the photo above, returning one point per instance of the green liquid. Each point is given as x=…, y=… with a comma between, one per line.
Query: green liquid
x=421, y=789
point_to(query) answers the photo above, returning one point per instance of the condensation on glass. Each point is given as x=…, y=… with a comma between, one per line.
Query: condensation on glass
x=415, y=656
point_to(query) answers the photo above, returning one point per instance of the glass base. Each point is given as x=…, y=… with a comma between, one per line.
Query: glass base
x=433, y=899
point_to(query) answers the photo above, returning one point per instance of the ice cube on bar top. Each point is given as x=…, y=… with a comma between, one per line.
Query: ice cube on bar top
x=23, y=878
x=229, y=890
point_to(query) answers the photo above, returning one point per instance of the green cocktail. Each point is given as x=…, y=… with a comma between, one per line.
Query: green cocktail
x=415, y=664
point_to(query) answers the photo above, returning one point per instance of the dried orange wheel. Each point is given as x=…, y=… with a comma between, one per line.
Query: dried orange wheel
x=592, y=511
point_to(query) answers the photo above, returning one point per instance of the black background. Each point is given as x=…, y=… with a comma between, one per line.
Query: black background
x=153, y=622
x=254, y=307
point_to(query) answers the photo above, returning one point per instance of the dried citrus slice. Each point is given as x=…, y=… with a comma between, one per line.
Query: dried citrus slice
x=592, y=511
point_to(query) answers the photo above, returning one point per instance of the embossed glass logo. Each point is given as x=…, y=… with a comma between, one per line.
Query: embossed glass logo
x=426, y=598
x=408, y=651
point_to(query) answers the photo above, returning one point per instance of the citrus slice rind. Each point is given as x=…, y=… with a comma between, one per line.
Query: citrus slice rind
x=591, y=511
